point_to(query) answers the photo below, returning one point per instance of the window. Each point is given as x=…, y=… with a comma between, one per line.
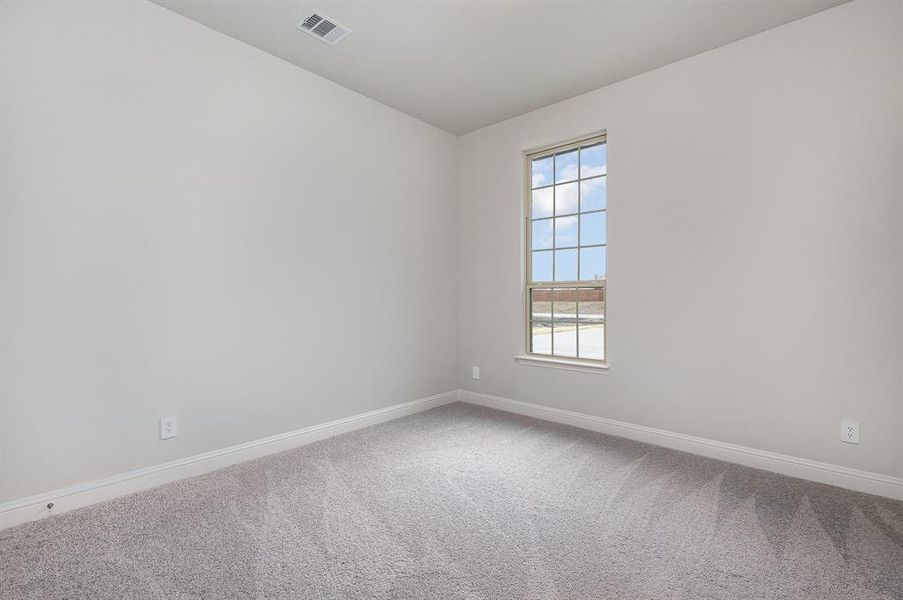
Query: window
x=566, y=243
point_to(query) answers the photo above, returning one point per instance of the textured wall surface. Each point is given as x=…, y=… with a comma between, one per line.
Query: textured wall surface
x=754, y=282
x=193, y=227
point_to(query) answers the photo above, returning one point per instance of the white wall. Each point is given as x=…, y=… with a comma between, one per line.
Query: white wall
x=193, y=227
x=190, y=226
x=754, y=260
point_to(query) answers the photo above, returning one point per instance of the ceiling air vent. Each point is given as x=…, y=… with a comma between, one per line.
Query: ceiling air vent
x=324, y=29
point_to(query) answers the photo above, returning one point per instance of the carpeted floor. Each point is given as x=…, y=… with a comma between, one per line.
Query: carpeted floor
x=464, y=502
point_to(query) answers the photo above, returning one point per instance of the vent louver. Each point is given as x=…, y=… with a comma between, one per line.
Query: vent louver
x=324, y=29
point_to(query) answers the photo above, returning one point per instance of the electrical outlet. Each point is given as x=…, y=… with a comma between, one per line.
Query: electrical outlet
x=849, y=431
x=476, y=372
x=168, y=428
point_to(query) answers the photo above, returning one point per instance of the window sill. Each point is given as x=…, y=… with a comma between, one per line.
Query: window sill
x=561, y=363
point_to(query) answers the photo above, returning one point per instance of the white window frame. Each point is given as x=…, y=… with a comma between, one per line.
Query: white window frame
x=528, y=356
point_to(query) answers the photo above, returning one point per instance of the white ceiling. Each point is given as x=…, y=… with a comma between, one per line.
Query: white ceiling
x=465, y=64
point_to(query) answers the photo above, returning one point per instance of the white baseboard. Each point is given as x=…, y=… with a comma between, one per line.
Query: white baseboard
x=853, y=479
x=35, y=507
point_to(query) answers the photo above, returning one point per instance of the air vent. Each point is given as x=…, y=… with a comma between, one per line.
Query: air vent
x=324, y=29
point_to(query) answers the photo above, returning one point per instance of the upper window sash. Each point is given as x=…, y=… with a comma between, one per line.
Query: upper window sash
x=566, y=234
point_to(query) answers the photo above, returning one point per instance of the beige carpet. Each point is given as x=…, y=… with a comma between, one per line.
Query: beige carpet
x=464, y=502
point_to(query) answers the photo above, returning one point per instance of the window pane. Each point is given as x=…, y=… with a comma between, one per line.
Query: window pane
x=592, y=161
x=591, y=304
x=541, y=236
x=592, y=263
x=566, y=199
x=592, y=194
x=564, y=322
x=592, y=341
x=565, y=265
x=566, y=166
x=541, y=305
x=541, y=338
x=565, y=232
x=542, y=172
x=564, y=306
x=592, y=228
x=542, y=203
x=542, y=266
x=565, y=340
x=591, y=310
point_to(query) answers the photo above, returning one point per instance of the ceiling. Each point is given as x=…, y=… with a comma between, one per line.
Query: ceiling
x=465, y=64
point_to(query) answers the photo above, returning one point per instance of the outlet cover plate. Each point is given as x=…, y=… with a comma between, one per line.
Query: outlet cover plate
x=476, y=372
x=849, y=431
x=168, y=428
